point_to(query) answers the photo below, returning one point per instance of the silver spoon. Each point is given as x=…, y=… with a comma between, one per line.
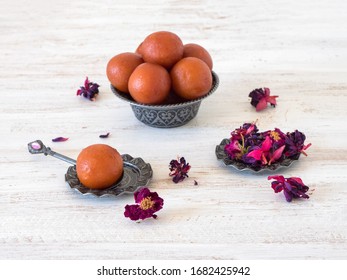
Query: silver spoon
x=37, y=147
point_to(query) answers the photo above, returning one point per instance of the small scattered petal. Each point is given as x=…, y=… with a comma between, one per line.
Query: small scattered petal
x=90, y=90
x=147, y=203
x=292, y=187
x=195, y=183
x=104, y=135
x=60, y=139
x=179, y=169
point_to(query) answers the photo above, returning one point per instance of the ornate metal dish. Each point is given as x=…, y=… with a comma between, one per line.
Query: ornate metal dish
x=136, y=174
x=166, y=116
x=223, y=156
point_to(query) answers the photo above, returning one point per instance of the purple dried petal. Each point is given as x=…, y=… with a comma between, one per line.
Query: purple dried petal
x=179, y=169
x=89, y=90
x=60, y=139
x=104, y=135
x=295, y=144
x=86, y=83
x=292, y=187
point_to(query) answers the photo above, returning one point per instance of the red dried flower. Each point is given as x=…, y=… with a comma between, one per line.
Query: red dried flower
x=147, y=204
x=89, y=90
x=292, y=187
x=260, y=98
x=179, y=169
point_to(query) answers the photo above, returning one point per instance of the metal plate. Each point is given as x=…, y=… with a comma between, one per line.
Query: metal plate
x=136, y=174
x=223, y=156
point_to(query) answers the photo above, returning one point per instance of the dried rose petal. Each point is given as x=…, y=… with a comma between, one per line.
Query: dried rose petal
x=292, y=187
x=147, y=203
x=90, y=90
x=104, y=135
x=260, y=98
x=60, y=139
x=179, y=169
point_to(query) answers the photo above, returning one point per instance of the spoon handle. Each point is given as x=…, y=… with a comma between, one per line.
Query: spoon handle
x=37, y=147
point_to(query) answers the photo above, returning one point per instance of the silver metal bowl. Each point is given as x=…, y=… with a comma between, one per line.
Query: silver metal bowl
x=169, y=115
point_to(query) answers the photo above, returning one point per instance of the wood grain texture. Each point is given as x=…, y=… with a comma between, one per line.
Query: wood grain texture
x=296, y=48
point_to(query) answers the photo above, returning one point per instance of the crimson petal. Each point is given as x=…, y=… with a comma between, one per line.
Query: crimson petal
x=261, y=105
x=277, y=154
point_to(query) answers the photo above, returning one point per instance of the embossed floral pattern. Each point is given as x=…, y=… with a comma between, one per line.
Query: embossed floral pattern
x=168, y=117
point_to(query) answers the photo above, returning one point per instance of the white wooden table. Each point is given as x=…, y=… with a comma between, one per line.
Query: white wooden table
x=296, y=48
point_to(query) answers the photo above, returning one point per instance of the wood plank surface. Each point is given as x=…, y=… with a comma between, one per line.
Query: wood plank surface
x=296, y=48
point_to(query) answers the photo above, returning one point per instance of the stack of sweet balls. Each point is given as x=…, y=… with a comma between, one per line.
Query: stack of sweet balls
x=162, y=70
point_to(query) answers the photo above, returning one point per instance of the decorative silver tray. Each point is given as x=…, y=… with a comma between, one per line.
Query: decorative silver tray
x=223, y=156
x=136, y=174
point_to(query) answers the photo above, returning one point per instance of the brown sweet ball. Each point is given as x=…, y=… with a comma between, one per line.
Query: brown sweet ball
x=191, y=78
x=195, y=50
x=163, y=47
x=149, y=84
x=173, y=98
x=120, y=67
x=99, y=166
